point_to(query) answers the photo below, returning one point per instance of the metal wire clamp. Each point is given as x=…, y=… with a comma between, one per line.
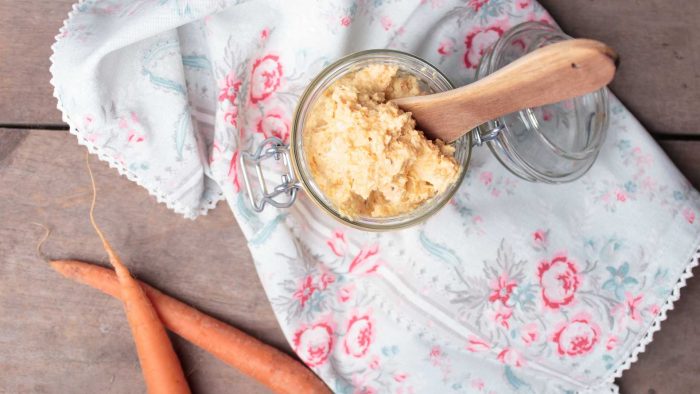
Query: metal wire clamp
x=283, y=194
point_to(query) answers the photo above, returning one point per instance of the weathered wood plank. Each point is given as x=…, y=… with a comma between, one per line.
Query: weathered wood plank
x=659, y=47
x=59, y=337
x=686, y=155
x=657, y=39
x=27, y=31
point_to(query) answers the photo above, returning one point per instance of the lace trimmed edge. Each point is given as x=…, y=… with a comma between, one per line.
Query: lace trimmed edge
x=656, y=324
x=178, y=207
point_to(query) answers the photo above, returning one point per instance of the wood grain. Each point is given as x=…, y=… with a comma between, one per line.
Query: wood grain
x=27, y=31
x=686, y=155
x=57, y=336
x=659, y=46
x=547, y=75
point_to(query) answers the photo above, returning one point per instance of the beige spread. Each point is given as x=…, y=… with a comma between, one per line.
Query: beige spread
x=365, y=153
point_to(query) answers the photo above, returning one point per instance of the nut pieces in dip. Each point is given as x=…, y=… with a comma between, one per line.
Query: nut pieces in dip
x=365, y=153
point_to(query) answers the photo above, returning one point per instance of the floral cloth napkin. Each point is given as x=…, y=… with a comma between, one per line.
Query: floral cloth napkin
x=513, y=287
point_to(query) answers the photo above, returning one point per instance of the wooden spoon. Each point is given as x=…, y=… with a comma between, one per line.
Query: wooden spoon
x=544, y=76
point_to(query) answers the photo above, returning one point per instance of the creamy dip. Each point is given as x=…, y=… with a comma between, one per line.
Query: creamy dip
x=365, y=153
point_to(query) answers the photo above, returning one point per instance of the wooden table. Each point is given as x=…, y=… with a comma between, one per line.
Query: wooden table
x=58, y=337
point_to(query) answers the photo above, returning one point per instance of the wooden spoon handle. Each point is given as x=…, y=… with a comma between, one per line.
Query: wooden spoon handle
x=547, y=75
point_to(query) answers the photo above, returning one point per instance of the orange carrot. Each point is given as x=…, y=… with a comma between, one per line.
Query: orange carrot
x=159, y=364
x=262, y=362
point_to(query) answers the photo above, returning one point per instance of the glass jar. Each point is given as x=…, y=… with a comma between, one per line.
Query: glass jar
x=554, y=143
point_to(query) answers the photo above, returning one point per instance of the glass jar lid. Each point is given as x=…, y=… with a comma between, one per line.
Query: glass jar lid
x=554, y=143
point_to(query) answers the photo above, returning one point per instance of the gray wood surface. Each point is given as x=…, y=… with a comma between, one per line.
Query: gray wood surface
x=659, y=47
x=59, y=337
x=27, y=31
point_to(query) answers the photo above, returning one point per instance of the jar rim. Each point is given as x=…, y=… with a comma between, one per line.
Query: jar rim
x=297, y=157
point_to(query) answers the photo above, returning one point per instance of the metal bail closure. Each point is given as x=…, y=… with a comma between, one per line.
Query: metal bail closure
x=479, y=137
x=283, y=194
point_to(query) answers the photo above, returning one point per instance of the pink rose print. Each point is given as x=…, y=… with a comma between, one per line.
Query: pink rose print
x=559, y=280
x=231, y=115
x=230, y=88
x=530, y=333
x=345, y=21
x=611, y=343
x=446, y=47
x=476, y=344
x=523, y=4
x=264, y=34
x=305, y=291
x=326, y=279
x=374, y=364
x=654, y=309
x=547, y=115
x=367, y=260
x=314, y=343
x=478, y=41
x=501, y=289
x=510, y=357
x=274, y=124
x=500, y=315
x=359, y=336
x=131, y=125
x=540, y=238
x=233, y=172
x=477, y=4
x=337, y=243
x=546, y=19
x=400, y=377
x=345, y=292
x=228, y=97
x=435, y=355
x=577, y=336
x=632, y=304
x=621, y=196
x=486, y=177
x=266, y=77
x=386, y=22
x=478, y=384
x=689, y=215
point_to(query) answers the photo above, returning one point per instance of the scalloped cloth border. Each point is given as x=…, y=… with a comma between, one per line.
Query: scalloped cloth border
x=161, y=197
x=656, y=324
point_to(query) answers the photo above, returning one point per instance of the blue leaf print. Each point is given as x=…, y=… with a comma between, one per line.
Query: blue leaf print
x=624, y=269
x=267, y=230
x=515, y=381
x=442, y=253
x=623, y=144
x=198, y=62
x=619, y=281
x=246, y=213
x=608, y=361
x=164, y=83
